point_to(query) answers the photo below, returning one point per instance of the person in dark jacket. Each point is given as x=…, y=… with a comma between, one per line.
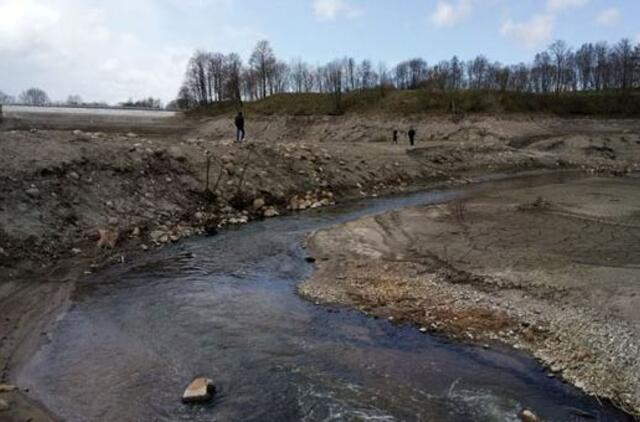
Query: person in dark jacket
x=240, y=127
x=412, y=136
x=395, y=136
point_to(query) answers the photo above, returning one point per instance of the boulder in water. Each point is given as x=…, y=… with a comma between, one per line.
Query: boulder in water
x=527, y=415
x=200, y=390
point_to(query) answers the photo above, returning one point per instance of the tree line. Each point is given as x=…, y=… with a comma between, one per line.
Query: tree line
x=38, y=97
x=215, y=77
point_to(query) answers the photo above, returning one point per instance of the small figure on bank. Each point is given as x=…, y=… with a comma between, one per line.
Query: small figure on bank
x=395, y=136
x=412, y=136
x=240, y=127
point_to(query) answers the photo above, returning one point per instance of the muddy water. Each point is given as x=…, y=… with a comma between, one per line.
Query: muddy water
x=226, y=307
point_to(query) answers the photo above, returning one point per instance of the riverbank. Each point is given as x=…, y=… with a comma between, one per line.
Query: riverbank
x=72, y=202
x=550, y=269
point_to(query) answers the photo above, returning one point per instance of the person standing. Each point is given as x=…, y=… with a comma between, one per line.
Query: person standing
x=239, y=121
x=412, y=136
x=395, y=136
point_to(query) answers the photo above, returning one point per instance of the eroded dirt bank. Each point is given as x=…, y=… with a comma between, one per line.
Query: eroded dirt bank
x=72, y=201
x=551, y=269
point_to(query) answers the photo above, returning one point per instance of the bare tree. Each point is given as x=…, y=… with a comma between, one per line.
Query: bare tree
x=560, y=53
x=333, y=73
x=602, y=73
x=262, y=61
x=623, y=56
x=585, y=65
x=74, y=100
x=6, y=98
x=34, y=97
x=233, y=80
x=215, y=76
x=300, y=73
x=477, y=72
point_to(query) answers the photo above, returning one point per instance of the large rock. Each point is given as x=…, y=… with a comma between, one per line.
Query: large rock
x=258, y=203
x=4, y=405
x=270, y=212
x=177, y=153
x=527, y=415
x=200, y=390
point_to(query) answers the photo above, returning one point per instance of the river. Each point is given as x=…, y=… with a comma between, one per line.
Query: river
x=225, y=307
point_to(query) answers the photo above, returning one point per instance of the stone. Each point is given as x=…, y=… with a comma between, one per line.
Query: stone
x=78, y=132
x=7, y=388
x=113, y=221
x=258, y=203
x=4, y=405
x=527, y=415
x=131, y=135
x=74, y=175
x=270, y=212
x=310, y=259
x=200, y=390
x=107, y=239
x=177, y=153
x=33, y=192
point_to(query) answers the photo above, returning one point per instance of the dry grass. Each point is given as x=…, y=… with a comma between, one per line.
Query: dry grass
x=457, y=209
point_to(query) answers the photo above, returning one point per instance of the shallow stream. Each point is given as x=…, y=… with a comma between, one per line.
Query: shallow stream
x=225, y=307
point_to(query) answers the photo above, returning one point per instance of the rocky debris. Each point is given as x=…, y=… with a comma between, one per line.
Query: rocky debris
x=527, y=415
x=4, y=405
x=201, y=390
x=7, y=388
x=311, y=200
x=132, y=135
x=33, y=192
x=107, y=239
x=270, y=212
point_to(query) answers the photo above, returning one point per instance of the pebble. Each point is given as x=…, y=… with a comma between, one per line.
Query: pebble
x=33, y=192
x=4, y=405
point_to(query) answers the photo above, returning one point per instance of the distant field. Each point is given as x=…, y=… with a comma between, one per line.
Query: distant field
x=18, y=110
x=88, y=118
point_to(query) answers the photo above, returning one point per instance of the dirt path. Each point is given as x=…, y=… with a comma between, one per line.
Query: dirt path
x=550, y=269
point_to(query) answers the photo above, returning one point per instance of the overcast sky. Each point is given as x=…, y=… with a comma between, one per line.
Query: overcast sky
x=110, y=50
